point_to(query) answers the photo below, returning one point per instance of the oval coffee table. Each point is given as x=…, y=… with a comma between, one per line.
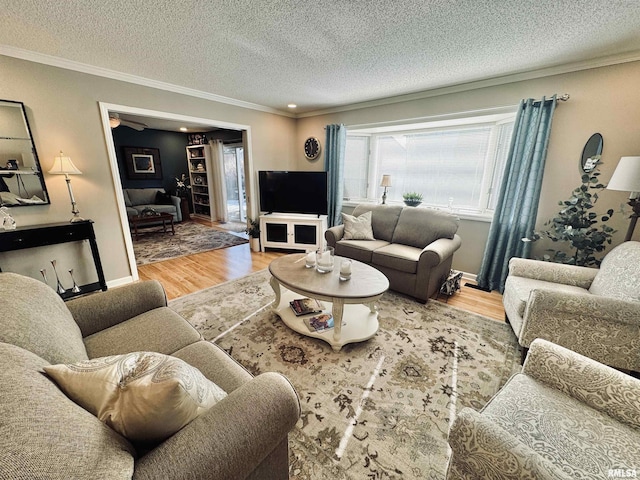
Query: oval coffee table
x=351, y=302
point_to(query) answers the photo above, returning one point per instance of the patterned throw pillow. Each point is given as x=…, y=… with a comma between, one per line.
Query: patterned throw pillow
x=144, y=396
x=357, y=228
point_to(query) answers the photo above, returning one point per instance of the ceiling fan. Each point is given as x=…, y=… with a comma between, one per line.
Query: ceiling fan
x=115, y=121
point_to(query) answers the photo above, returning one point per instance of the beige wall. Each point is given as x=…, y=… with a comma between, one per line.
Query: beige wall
x=62, y=108
x=602, y=100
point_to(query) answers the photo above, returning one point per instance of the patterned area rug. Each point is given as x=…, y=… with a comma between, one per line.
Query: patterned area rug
x=379, y=409
x=190, y=237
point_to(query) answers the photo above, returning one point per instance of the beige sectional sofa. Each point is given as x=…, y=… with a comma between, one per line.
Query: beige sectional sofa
x=46, y=435
x=412, y=246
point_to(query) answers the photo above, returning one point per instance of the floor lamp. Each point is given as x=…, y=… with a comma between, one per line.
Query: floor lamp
x=64, y=166
x=626, y=178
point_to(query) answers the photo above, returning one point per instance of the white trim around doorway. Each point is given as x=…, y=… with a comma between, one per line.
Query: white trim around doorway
x=105, y=108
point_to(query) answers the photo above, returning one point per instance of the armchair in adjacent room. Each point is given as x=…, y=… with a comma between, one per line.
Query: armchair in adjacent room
x=595, y=312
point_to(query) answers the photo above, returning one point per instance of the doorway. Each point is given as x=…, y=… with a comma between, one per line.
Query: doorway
x=248, y=183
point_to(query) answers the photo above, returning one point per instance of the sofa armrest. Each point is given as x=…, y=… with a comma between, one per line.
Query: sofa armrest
x=438, y=251
x=552, y=272
x=232, y=438
x=480, y=446
x=592, y=383
x=333, y=234
x=99, y=311
x=177, y=202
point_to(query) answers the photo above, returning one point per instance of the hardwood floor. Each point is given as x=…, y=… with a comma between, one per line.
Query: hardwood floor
x=184, y=275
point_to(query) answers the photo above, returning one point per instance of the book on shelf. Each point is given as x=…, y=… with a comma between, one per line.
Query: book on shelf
x=306, y=306
x=319, y=323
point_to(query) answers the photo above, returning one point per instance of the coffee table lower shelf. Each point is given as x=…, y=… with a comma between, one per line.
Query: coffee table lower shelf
x=359, y=322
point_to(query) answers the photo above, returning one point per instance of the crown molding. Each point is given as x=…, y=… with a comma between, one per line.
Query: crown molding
x=489, y=82
x=15, y=52
x=53, y=61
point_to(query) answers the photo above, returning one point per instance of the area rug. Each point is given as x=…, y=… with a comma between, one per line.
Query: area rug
x=190, y=237
x=380, y=409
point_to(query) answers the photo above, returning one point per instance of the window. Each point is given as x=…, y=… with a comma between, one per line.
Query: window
x=457, y=164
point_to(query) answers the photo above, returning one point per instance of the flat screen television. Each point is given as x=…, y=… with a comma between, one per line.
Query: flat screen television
x=293, y=192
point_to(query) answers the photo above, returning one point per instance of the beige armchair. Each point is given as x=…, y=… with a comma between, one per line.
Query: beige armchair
x=595, y=312
x=564, y=417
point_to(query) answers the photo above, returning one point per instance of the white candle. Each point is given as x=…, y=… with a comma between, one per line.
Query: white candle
x=345, y=267
x=311, y=257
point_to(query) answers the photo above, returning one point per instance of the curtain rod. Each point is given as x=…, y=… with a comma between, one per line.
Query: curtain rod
x=564, y=97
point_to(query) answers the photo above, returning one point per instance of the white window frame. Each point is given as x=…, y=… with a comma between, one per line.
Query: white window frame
x=490, y=169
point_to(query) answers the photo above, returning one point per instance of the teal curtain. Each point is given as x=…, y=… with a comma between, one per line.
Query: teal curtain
x=334, y=165
x=517, y=205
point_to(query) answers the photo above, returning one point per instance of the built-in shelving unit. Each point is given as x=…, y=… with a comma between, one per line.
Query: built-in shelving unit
x=200, y=175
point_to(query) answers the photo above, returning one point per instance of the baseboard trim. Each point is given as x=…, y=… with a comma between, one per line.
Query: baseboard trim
x=118, y=282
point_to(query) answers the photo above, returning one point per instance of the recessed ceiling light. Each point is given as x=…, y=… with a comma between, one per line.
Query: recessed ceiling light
x=183, y=129
x=292, y=105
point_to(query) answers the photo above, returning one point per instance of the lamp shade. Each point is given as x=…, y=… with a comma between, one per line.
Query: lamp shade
x=64, y=166
x=626, y=176
x=386, y=181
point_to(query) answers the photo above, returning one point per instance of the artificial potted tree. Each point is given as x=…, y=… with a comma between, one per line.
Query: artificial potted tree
x=253, y=230
x=412, y=199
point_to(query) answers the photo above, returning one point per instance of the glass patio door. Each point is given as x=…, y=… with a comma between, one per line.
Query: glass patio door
x=234, y=181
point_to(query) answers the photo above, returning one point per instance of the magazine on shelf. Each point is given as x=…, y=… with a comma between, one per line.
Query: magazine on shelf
x=306, y=306
x=319, y=323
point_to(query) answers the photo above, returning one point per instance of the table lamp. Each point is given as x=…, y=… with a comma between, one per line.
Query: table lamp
x=386, y=183
x=64, y=166
x=626, y=178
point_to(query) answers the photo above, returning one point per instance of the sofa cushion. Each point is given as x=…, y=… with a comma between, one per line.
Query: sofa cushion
x=43, y=434
x=357, y=228
x=159, y=330
x=145, y=396
x=360, y=250
x=127, y=200
x=215, y=364
x=398, y=257
x=619, y=276
x=35, y=318
x=163, y=198
x=384, y=219
x=419, y=227
x=143, y=196
x=546, y=420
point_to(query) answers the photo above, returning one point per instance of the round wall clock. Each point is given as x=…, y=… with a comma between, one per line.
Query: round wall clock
x=311, y=148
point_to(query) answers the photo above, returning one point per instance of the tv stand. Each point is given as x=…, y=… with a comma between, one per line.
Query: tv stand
x=292, y=231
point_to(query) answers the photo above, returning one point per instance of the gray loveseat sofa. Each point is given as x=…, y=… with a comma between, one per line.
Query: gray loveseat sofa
x=137, y=199
x=45, y=435
x=413, y=247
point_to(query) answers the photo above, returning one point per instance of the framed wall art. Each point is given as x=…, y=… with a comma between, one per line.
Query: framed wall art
x=142, y=163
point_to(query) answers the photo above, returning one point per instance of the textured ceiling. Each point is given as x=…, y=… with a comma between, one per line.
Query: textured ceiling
x=321, y=54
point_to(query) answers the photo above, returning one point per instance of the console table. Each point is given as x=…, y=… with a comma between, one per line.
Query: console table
x=52, y=234
x=299, y=232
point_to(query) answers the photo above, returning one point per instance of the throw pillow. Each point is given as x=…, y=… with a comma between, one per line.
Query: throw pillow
x=357, y=228
x=144, y=396
x=163, y=198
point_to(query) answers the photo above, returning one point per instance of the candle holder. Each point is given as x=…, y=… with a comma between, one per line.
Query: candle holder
x=345, y=270
x=43, y=272
x=324, y=260
x=75, y=288
x=59, y=286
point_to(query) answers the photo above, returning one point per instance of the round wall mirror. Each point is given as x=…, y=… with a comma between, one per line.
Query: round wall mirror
x=592, y=148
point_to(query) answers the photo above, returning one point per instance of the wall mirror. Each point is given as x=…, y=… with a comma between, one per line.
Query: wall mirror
x=592, y=148
x=21, y=180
